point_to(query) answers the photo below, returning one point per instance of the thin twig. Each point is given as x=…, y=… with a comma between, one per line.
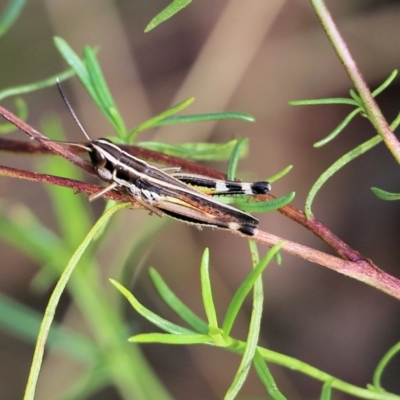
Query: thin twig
x=371, y=107
x=363, y=270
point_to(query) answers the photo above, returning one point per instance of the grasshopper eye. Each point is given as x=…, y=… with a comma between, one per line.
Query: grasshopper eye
x=98, y=159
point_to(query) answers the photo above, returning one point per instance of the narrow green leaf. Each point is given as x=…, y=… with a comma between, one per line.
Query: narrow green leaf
x=385, y=84
x=245, y=288
x=184, y=119
x=384, y=195
x=149, y=315
x=53, y=302
x=118, y=123
x=342, y=161
x=389, y=355
x=317, y=102
x=206, y=291
x=97, y=78
x=280, y=174
x=90, y=74
x=195, y=151
x=354, y=95
x=74, y=61
x=255, y=256
x=10, y=14
x=266, y=377
x=176, y=304
x=264, y=206
x=167, y=13
x=238, y=151
x=152, y=122
x=31, y=87
x=103, y=97
x=336, y=166
x=396, y=122
x=167, y=338
x=254, y=331
x=326, y=393
x=338, y=129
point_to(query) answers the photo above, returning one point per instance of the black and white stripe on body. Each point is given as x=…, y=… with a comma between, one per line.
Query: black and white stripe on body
x=163, y=191
x=160, y=192
x=219, y=187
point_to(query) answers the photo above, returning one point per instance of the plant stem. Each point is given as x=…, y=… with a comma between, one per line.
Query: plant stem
x=371, y=107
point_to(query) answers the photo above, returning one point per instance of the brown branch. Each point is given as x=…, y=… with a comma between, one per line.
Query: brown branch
x=351, y=263
x=32, y=148
x=78, y=186
x=363, y=269
x=320, y=230
x=46, y=142
x=289, y=211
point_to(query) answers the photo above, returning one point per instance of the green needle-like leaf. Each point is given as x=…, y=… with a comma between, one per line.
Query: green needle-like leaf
x=384, y=195
x=326, y=393
x=266, y=377
x=176, y=304
x=153, y=122
x=167, y=338
x=342, y=161
x=245, y=288
x=103, y=96
x=75, y=63
x=10, y=14
x=264, y=206
x=206, y=291
x=167, y=13
x=318, y=102
x=390, y=354
x=280, y=174
x=240, y=148
x=54, y=300
x=149, y=315
x=31, y=87
x=338, y=129
x=385, y=84
x=254, y=330
x=196, y=151
x=97, y=79
x=184, y=119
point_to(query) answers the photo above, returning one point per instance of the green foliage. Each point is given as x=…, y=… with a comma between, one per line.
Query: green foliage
x=167, y=13
x=74, y=246
x=384, y=195
x=10, y=15
x=89, y=72
x=359, y=108
x=209, y=332
x=197, y=151
x=22, y=109
x=23, y=230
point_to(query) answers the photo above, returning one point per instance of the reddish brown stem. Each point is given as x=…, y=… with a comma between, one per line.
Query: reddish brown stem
x=362, y=269
x=80, y=187
x=54, y=147
x=351, y=262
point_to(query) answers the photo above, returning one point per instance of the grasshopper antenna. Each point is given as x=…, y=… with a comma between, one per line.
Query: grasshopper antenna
x=64, y=97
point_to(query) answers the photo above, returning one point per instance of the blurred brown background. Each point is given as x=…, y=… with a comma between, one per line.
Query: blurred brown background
x=250, y=56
